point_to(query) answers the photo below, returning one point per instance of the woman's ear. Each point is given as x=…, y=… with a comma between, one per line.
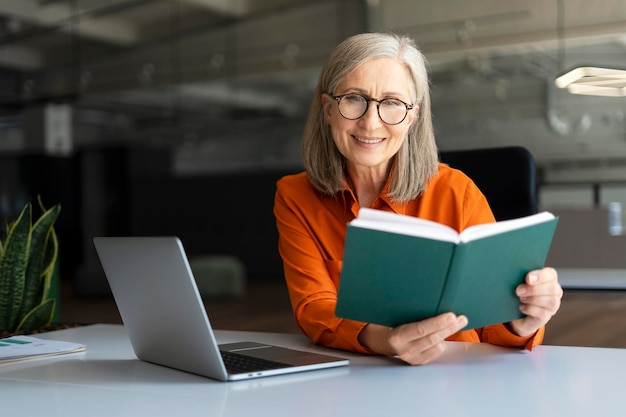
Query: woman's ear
x=327, y=106
x=412, y=116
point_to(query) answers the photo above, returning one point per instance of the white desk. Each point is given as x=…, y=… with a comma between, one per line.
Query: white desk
x=470, y=380
x=592, y=278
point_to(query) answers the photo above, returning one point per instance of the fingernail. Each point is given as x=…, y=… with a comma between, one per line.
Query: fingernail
x=462, y=321
x=532, y=278
x=521, y=290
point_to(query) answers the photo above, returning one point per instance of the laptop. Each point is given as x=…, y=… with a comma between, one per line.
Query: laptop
x=161, y=307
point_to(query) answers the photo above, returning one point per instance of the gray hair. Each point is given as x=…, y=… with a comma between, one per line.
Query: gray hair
x=415, y=161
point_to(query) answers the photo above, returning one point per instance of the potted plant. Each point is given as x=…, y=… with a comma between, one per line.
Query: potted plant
x=28, y=254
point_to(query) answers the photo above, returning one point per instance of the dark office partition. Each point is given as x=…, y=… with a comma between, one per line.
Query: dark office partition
x=104, y=205
x=229, y=214
x=23, y=177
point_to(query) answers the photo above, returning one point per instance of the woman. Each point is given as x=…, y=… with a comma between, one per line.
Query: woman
x=369, y=142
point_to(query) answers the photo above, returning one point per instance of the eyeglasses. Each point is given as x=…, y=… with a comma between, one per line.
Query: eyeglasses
x=390, y=110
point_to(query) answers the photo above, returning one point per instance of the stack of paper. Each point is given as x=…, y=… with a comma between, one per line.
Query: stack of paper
x=25, y=347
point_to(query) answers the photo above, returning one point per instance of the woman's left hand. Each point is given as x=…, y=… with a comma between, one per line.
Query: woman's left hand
x=540, y=297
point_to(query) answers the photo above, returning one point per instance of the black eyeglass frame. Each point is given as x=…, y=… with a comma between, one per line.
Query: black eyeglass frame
x=367, y=105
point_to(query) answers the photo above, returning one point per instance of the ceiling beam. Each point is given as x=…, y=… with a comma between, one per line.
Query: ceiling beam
x=113, y=30
x=522, y=42
x=243, y=8
x=223, y=7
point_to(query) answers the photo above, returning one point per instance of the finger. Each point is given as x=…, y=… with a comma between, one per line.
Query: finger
x=423, y=357
x=429, y=347
x=411, y=340
x=424, y=328
x=548, y=303
x=452, y=324
x=536, y=314
x=540, y=276
x=550, y=288
x=540, y=282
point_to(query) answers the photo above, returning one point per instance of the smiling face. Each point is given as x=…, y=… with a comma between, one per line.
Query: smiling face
x=367, y=143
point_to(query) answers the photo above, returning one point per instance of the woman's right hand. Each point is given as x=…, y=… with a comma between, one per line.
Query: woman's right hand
x=415, y=343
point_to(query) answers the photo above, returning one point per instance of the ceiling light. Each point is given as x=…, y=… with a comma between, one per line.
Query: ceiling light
x=595, y=81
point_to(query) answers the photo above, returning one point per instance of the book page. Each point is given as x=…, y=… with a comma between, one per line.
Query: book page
x=413, y=226
x=404, y=225
x=489, y=229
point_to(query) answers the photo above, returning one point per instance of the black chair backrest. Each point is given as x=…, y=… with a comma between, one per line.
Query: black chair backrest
x=505, y=175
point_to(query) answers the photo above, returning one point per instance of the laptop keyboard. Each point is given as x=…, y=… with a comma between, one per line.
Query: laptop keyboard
x=236, y=363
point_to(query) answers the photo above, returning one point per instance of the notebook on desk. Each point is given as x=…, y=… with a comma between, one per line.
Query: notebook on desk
x=161, y=307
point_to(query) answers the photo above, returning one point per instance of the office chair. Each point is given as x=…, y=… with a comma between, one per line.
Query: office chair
x=505, y=175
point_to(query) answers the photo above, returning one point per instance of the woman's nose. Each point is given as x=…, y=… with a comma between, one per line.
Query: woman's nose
x=371, y=115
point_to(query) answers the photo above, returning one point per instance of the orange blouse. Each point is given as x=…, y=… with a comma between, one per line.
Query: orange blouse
x=312, y=230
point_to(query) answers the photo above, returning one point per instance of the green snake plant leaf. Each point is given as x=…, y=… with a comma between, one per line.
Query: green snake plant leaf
x=51, y=254
x=50, y=259
x=13, y=269
x=38, y=317
x=40, y=267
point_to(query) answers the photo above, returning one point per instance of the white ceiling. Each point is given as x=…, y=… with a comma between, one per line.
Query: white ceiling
x=234, y=58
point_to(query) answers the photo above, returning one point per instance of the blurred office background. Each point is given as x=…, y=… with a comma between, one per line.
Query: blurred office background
x=176, y=117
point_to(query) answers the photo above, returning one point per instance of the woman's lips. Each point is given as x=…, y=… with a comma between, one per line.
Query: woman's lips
x=368, y=141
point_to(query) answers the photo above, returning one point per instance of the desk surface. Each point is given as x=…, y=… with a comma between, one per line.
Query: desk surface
x=592, y=278
x=469, y=380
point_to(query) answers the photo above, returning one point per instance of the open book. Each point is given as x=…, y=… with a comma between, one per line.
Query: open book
x=399, y=269
x=18, y=348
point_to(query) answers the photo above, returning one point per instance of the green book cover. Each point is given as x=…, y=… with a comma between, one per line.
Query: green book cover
x=398, y=269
